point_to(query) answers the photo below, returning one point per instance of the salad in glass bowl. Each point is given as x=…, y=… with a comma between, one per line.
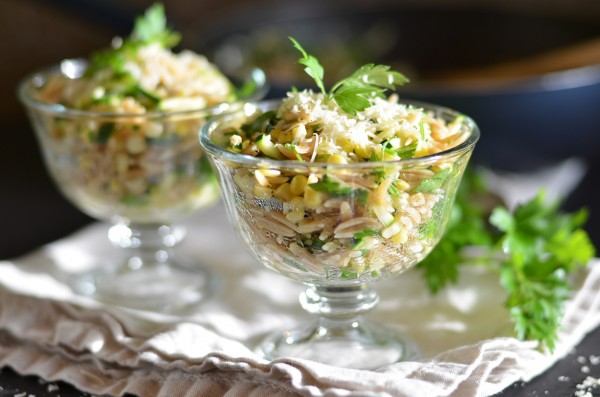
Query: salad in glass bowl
x=338, y=189
x=118, y=132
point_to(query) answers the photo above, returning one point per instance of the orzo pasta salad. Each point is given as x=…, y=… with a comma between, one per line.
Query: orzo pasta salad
x=350, y=183
x=141, y=74
x=125, y=123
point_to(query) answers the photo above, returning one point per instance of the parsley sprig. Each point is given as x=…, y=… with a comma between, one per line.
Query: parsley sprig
x=540, y=247
x=353, y=93
x=150, y=28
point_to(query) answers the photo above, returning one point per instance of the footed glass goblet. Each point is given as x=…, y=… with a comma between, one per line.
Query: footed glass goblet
x=142, y=173
x=338, y=228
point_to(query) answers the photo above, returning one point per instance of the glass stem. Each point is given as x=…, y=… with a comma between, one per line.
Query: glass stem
x=339, y=303
x=339, y=312
x=148, y=244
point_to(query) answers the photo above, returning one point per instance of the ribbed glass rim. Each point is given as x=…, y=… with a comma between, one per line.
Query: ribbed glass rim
x=38, y=78
x=210, y=147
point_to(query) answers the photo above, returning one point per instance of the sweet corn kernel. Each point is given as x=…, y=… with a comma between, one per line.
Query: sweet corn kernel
x=298, y=133
x=295, y=216
x=262, y=192
x=298, y=184
x=121, y=162
x=285, y=137
x=312, y=198
x=283, y=192
x=336, y=159
x=330, y=246
x=400, y=238
x=136, y=144
x=362, y=151
x=153, y=130
x=296, y=203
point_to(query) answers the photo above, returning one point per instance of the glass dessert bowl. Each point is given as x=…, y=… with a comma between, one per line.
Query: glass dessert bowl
x=141, y=171
x=337, y=227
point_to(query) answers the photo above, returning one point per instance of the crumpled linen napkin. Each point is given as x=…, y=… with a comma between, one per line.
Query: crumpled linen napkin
x=463, y=332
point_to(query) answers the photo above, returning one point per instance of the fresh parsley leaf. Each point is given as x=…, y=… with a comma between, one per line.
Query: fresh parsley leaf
x=407, y=152
x=336, y=188
x=540, y=247
x=330, y=185
x=435, y=182
x=353, y=99
x=467, y=227
x=376, y=76
x=359, y=237
x=348, y=274
x=292, y=148
x=152, y=28
x=353, y=93
x=313, y=67
x=105, y=132
x=264, y=123
x=148, y=28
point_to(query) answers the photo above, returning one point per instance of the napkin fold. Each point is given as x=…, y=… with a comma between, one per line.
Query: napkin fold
x=464, y=332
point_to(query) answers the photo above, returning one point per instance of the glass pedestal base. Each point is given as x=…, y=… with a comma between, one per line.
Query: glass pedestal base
x=157, y=287
x=357, y=344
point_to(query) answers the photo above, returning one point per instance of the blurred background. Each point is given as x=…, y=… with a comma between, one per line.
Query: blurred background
x=528, y=71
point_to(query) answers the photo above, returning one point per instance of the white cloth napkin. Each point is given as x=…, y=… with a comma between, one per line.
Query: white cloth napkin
x=464, y=332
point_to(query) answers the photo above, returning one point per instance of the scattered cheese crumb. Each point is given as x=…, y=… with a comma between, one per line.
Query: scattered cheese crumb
x=52, y=387
x=584, y=389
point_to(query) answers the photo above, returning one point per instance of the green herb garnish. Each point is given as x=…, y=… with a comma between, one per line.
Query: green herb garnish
x=336, y=188
x=348, y=274
x=541, y=247
x=353, y=93
x=359, y=237
x=434, y=183
x=263, y=123
x=152, y=28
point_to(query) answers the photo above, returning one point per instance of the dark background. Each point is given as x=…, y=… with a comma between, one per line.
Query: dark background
x=37, y=33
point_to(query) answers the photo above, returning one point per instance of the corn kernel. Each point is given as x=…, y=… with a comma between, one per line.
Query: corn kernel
x=262, y=192
x=362, y=151
x=121, y=162
x=295, y=216
x=299, y=133
x=336, y=159
x=298, y=184
x=153, y=130
x=312, y=198
x=400, y=238
x=283, y=192
x=330, y=246
x=296, y=204
x=136, y=144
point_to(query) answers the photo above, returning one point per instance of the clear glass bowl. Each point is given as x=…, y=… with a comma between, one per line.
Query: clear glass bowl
x=142, y=173
x=335, y=228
